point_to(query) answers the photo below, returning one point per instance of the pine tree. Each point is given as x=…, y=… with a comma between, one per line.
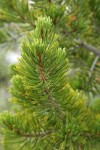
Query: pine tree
x=52, y=115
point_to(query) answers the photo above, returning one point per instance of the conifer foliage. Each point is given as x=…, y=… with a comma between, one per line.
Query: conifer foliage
x=52, y=115
x=73, y=21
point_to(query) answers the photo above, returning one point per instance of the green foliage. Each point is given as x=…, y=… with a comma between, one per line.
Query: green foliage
x=95, y=104
x=53, y=115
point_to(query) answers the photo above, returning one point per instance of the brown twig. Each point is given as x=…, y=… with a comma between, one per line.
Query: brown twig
x=43, y=78
x=40, y=65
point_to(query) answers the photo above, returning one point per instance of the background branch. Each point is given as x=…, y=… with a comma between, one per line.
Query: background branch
x=92, y=67
x=88, y=47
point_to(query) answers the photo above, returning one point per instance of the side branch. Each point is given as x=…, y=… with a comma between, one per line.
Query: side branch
x=39, y=134
x=88, y=47
x=30, y=135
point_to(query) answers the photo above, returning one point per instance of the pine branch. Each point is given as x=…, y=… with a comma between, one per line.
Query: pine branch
x=11, y=41
x=91, y=135
x=16, y=11
x=22, y=17
x=27, y=135
x=88, y=47
x=40, y=134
